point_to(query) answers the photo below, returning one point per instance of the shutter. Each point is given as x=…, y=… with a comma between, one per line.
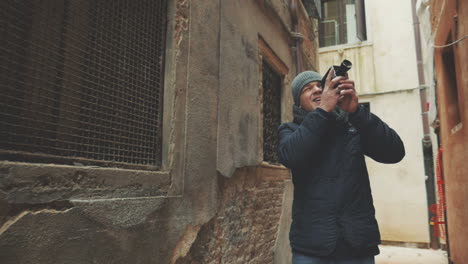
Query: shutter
x=318, y=7
x=361, y=20
x=313, y=8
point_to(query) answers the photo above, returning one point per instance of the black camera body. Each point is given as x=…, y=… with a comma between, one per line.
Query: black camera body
x=339, y=70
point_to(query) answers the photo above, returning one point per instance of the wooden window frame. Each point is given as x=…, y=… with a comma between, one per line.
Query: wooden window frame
x=267, y=54
x=361, y=29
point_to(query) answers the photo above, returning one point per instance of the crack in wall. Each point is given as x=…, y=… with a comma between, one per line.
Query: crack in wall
x=15, y=211
x=14, y=219
x=58, y=205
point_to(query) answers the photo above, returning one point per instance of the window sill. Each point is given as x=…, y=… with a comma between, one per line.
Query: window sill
x=345, y=46
x=43, y=183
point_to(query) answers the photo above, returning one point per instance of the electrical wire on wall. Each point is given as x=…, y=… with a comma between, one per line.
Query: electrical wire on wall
x=451, y=44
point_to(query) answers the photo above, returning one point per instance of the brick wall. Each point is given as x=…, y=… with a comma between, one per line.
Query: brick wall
x=449, y=24
x=245, y=228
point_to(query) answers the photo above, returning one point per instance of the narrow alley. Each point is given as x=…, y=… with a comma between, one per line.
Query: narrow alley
x=233, y=131
x=405, y=255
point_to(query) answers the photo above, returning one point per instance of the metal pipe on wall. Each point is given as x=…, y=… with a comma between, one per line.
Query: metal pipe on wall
x=297, y=36
x=428, y=156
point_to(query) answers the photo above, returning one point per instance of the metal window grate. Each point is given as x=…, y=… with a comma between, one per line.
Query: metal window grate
x=82, y=81
x=271, y=83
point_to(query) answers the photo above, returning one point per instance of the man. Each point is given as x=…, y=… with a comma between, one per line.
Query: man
x=333, y=217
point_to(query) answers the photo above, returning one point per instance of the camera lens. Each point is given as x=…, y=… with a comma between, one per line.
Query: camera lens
x=347, y=64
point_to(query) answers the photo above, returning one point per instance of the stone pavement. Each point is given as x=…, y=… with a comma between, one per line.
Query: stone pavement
x=403, y=255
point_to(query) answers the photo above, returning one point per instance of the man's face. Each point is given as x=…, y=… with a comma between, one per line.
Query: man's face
x=310, y=96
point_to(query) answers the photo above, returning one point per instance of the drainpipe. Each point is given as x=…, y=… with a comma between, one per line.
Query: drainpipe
x=426, y=140
x=298, y=37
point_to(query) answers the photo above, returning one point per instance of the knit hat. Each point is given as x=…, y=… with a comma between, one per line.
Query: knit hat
x=301, y=80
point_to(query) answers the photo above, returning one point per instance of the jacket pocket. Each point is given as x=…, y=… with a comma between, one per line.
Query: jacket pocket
x=361, y=231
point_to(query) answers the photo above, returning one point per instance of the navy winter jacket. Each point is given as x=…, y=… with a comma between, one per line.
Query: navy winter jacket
x=332, y=195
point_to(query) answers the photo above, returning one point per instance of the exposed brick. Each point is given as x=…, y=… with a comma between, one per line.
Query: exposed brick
x=245, y=228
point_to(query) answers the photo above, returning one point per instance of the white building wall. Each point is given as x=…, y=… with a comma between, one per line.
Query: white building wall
x=399, y=189
x=393, y=41
x=385, y=71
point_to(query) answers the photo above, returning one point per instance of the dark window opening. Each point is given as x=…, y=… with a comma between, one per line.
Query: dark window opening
x=82, y=81
x=343, y=22
x=313, y=8
x=366, y=105
x=271, y=82
x=450, y=82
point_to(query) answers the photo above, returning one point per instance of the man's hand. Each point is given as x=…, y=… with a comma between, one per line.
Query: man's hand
x=330, y=94
x=348, y=101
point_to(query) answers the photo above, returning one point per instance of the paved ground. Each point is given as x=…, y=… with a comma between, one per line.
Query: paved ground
x=402, y=255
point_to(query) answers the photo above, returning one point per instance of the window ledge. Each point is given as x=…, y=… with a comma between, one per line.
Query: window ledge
x=42, y=183
x=345, y=46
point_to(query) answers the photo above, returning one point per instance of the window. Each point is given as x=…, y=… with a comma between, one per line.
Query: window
x=366, y=105
x=271, y=83
x=313, y=8
x=272, y=77
x=82, y=81
x=450, y=83
x=343, y=22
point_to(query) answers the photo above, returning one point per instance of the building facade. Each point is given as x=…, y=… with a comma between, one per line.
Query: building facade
x=140, y=131
x=447, y=40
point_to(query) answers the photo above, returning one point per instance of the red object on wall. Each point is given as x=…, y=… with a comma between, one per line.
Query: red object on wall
x=439, y=208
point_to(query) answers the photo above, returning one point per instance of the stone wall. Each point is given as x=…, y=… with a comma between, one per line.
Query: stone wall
x=245, y=227
x=213, y=201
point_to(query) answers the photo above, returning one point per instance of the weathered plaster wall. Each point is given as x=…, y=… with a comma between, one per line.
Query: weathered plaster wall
x=77, y=214
x=242, y=23
x=448, y=19
x=69, y=214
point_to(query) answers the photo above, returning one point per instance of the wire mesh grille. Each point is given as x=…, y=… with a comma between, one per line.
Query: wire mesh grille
x=271, y=83
x=83, y=80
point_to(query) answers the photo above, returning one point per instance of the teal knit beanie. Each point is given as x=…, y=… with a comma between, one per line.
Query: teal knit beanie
x=301, y=80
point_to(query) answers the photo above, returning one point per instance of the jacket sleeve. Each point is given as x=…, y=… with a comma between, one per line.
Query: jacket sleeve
x=379, y=141
x=296, y=146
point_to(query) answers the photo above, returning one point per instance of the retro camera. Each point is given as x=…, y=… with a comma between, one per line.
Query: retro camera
x=339, y=70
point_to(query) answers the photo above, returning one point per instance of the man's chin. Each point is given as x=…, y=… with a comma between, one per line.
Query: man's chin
x=315, y=106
